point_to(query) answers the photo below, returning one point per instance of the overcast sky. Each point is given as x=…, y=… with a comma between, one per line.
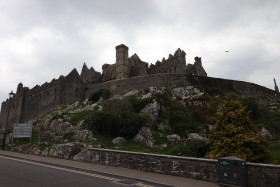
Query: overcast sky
x=43, y=39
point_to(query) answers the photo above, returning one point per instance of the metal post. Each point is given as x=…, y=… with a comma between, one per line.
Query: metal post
x=5, y=132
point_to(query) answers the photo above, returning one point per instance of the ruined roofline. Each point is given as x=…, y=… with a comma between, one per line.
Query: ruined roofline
x=122, y=46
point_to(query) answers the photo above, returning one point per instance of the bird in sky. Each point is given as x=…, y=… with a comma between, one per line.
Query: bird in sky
x=226, y=51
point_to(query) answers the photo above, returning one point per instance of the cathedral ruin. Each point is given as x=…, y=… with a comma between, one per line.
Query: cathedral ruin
x=127, y=67
x=126, y=74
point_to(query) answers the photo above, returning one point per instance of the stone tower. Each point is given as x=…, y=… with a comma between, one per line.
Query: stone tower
x=122, y=63
x=275, y=86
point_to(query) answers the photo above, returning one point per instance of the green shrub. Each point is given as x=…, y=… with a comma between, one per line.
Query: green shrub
x=117, y=119
x=138, y=104
x=117, y=107
x=199, y=148
x=105, y=94
x=131, y=123
x=252, y=106
x=102, y=122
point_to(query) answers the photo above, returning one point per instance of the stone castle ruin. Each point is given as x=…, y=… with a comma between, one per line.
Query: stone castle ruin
x=126, y=74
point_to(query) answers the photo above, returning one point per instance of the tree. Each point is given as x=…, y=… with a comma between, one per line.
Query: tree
x=235, y=135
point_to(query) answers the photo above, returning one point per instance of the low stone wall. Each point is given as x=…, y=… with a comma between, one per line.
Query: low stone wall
x=198, y=168
x=259, y=175
x=263, y=175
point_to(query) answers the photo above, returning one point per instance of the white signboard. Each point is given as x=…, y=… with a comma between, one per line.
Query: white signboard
x=22, y=130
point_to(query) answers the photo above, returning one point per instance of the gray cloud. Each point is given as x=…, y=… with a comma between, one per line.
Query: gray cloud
x=40, y=40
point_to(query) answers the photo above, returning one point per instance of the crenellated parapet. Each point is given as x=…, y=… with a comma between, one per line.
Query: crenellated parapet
x=174, y=64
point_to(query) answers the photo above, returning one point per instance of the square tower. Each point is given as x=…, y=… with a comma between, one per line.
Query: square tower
x=122, y=63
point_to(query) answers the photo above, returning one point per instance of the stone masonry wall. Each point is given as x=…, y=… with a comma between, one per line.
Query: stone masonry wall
x=259, y=175
x=197, y=168
x=30, y=104
x=140, y=83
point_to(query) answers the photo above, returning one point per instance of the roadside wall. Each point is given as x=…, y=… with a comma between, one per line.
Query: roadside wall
x=198, y=168
x=259, y=175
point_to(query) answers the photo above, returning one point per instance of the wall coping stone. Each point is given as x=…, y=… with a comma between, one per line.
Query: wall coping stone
x=155, y=155
x=180, y=157
x=263, y=165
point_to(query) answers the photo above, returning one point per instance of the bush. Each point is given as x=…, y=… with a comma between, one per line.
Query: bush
x=131, y=123
x=199, y=148
x=105, y=94
x=252, y=106
x=117, y=107
x=138, y=104
x=236, y=135
x=102, y=122
x=117, y=119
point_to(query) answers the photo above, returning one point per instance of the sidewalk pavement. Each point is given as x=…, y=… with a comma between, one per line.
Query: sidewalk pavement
x=125, y=172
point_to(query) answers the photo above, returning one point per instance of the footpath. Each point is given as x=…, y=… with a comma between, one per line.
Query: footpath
x=118, y=171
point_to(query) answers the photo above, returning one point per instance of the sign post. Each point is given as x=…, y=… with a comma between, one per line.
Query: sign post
x=22, y=130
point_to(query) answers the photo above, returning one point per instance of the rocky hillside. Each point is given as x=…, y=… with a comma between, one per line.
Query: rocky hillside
x=154, y=120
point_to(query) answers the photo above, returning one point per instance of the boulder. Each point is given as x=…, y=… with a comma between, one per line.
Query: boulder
x=118, y=141
x=265, y=133
x=28, y=149
x=151, y=109
x=73, y=105
x=145, y=136
x=211, y=127
x=163, y=126
x=160, y=147
x=83, y=135
x=63, y=128
x=48, y=137
x=148, y=95
x=173, y=137
x=43, y=125
x=81, y=125
x=54, y=123
x=45, y=152
x=195, y=136
x=94, y=106
x=133, y=92
x=66, y=151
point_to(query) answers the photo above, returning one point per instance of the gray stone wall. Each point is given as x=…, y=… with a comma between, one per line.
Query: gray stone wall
x=259, y=175
x=140, y=83
x=198, y=168
x=263, y=175
x=30, y=104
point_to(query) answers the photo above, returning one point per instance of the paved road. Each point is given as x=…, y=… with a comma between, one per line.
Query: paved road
x=17, y=169
x=18, y=172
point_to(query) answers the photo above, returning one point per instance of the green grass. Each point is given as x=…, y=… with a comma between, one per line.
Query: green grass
x=103, y=140
x=274, y=148
x=26, y=141
x=77, y=117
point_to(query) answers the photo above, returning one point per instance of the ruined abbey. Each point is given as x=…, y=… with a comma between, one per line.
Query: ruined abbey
x=126, y=74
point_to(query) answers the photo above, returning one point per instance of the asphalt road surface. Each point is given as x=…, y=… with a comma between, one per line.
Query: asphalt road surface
x=19, y=172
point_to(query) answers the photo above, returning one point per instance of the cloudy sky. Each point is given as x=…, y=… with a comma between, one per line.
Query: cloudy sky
x=43, y=39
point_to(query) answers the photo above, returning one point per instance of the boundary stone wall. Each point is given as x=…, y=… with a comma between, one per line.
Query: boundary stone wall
x=259, y=175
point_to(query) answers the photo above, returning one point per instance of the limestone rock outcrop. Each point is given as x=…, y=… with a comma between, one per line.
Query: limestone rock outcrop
x=145, y=136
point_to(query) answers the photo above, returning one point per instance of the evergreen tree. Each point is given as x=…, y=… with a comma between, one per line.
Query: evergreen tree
x=235, y=135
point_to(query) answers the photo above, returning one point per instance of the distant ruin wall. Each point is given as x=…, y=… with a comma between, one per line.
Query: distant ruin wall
x=66, y=90
x=139, y=83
